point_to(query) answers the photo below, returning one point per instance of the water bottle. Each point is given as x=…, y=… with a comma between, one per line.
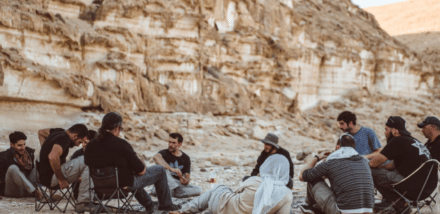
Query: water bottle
x=212, y=178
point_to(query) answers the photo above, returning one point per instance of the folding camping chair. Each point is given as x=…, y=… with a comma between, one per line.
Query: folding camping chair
x=48, y=192
x=106, y=187
x=417, y=188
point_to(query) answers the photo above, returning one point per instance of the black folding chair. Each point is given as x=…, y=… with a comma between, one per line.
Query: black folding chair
x=106, y=188
x=49, y=192
x=417, y=188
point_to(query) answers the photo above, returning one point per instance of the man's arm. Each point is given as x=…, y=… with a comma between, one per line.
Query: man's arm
x=256, y=170
x=160, y=161
x=378, y=160
x=42, y=135
x=374, y=153
x=312, y=164
x=55, y=163
x=390, y=166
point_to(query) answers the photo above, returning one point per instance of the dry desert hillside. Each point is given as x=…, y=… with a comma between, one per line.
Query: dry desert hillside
x=413, y=16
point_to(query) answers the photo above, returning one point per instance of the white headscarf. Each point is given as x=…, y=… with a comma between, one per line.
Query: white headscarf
x=343, y=152
x=274, y=173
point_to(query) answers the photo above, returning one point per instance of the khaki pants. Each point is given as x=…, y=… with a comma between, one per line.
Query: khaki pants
x=73, y=170
x=18, y=184
x=321, y=194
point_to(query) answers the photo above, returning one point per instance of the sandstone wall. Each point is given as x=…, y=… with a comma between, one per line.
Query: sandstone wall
x=228, y=57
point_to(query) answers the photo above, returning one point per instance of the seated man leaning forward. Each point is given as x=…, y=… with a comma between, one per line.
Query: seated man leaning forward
x=264, y=194
x=17, y=171
x=271, y=147
x=54, y=170
x=110, y=150
x=352, y=188
x=407, y=154
x=178, y=165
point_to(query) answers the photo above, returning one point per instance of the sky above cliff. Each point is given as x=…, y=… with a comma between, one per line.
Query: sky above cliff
x=372, y=3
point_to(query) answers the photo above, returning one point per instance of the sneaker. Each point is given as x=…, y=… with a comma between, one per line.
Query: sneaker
x=382, y=205
x=85, y=207
x=56, y=197
x=403, y=210
x=309, y=209
x=172, y=207
x=38, y=195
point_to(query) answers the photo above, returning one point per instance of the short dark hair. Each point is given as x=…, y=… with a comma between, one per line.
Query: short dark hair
x=347, y=116
x=346, y=141
x=16, y=136
x=92, y=134
x=79, y=129
x=177, y=136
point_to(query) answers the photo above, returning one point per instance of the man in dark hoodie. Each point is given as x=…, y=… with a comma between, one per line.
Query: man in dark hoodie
x=17, y=171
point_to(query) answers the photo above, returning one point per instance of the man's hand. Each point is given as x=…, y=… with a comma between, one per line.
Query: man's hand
x=177, y=171
x=64, y=184
x=324, y=155
x=184, y=181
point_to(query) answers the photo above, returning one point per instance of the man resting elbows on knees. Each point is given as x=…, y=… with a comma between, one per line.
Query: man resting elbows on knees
x=178, y=165
x=352, y=188
x=54, y=170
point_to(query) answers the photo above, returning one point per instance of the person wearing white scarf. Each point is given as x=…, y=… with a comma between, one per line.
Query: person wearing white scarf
x=272, y=188
x=266, y=194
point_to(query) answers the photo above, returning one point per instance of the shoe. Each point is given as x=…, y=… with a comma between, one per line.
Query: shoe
x=56, y=197
x=382, y=205
x=309, y=209
x=172, y=207
x=403, y=210
x=38, y=195
x=85, y=207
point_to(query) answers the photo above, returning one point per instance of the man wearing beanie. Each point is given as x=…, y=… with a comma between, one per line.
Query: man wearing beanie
x=110, y=150
x=406, y=154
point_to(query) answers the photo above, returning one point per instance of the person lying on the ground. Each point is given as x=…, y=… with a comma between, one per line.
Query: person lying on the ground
x=271, y=147
x=264, y=194
x=54, y=170
x=178, y=166
x=44, y=133
x=407, y=154
x=80, y=152
x=17, y=170
x=367, y=142
x=352, y=188
x=110, y=150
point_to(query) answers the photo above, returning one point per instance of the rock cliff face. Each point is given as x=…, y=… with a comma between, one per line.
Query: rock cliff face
x=228, y=57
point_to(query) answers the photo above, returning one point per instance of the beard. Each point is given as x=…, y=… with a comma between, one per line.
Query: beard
x=171, y=149
x=390, y=137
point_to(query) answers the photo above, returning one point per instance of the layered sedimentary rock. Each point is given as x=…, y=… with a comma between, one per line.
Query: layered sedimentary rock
x=228, y=57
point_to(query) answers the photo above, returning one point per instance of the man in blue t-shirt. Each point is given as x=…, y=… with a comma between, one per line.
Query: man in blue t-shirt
x=367, y=143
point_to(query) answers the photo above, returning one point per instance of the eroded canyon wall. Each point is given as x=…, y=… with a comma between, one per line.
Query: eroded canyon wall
x=222, y=56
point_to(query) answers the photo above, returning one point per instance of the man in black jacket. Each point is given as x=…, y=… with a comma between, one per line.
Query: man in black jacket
x=17, y=172
x=271, y=147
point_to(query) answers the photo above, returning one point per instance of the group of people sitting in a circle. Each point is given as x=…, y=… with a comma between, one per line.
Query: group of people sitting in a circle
x=357, y=166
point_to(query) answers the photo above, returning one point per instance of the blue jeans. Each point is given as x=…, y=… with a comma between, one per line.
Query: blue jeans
x=154, y=175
